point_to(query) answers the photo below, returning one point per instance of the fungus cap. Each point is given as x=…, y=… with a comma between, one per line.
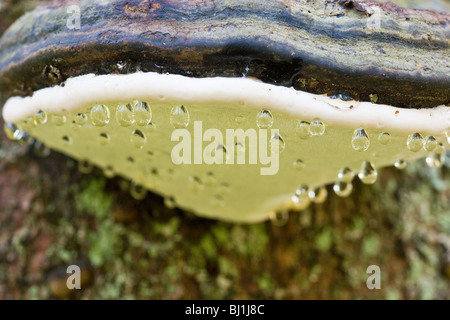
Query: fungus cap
x=177, y=110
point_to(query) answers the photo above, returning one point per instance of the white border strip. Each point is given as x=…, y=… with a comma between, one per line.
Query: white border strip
x=85, y=90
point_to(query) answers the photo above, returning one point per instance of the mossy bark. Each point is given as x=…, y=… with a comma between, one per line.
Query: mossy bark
x=52, y=216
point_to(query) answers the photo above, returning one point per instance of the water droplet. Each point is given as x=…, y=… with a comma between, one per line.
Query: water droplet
x=221, y=154
x=360, y=140
x=342, y=188
x=80, y=119
x=12, y=132
x=58, y=120
x=142, y=113
x=303, y=129
x=210, y=179
x=415, y=142
x=317, y=128
x=138, y=139
x=24, y=137
x=240, y=148
x=170, y=203
x=435, y=160
x=40, y=117
x=104, y=139
x=264, y=119
x=368, y=173
x=179, y=117
x=28, y=124
x=299, y=164
x=346, y=175
x=67, y=141
x=277, y=141
x=279, y=218
x=300, y=200
x=384, y=138
x=125, y=115
x=41, y=150
x=85, y=167
x=108, y=172
x=447, y=133
x=100, y=115
x=196, y=184
x=137, y=191
x=430, y=143
x=318, y=195
x=400, y=164
x=439, y=148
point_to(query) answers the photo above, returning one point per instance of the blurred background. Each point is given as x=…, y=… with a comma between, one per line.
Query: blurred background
x=53, y=216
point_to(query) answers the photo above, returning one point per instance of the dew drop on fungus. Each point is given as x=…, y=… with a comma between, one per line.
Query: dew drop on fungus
x=125, y=115
x=430, y=143
x=342, y=188
x=108, y=172
x=58, y=120
x=299, y=164
x=40, y=117
x=277, y=142
x=400, y=164
x=195, y=184
x=435, y=160
x=170, y=203
x=100, y=115
x=221, y=154
x=300, y=200
x=85, y=167
x=368, y=173
x=415, y=142
x=318, y=195
x=346, y=175
x=12, y=132
x=142, y=113
x=279, y=218
x=384, y=138
x=104, y=139
x=317, y=128
x=264, y=119
x=28, y=124
x=360, y=140
x=179, y=117
x=138, y=139
x=67, y=140
x=80, y=119
x=303, y=129
x=137, y=191
x=41, y=150
x=210, y=179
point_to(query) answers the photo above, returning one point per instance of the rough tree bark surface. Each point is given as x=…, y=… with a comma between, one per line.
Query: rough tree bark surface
x=52, y=216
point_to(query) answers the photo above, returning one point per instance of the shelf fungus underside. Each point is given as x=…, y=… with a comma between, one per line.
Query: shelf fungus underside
x=218, y=129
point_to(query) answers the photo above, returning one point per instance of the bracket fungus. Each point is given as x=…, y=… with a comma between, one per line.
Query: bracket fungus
x=233, y=110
